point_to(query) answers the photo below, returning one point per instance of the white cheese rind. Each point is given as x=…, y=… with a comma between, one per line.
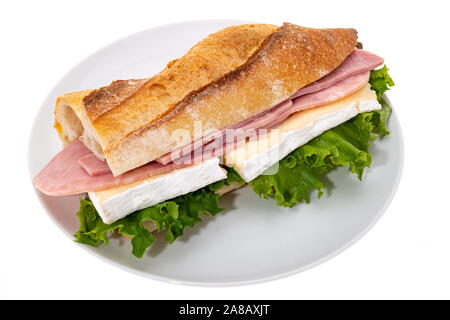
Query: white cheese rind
x=258, y=163
x=368, y=105
x=158, y=189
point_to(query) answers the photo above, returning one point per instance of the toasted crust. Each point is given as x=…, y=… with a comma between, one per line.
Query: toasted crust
x=226, y=78
x=206, y=62
x=126, y=105
x=102, y=100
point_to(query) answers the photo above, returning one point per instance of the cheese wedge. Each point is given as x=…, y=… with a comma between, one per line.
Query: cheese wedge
x=254, y=157
x=115, y=203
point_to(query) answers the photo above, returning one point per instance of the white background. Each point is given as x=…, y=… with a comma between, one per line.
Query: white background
x=406, y=255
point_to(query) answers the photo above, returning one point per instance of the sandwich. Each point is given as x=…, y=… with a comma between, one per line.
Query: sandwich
x=275, y=108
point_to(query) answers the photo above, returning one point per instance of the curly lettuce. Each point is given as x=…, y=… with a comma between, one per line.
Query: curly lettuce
x=299, y=173
x=173, y=216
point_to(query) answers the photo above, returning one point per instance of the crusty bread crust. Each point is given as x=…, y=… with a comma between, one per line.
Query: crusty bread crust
x=72, y=123
x=207, y=61
x=226, y=78
x=102, y=100
x=126, y=105
x=75, y=101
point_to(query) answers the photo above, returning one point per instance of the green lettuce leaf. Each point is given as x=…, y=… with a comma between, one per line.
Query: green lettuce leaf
x=380, y=81
x=300, y=172
x=173, y=216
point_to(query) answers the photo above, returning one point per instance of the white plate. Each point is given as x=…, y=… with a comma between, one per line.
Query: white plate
x=254, y=240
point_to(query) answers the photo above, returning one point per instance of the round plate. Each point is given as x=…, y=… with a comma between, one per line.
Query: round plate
x=253, y=240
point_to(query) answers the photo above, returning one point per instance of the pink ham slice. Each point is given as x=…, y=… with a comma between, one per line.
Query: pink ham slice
x=63, y=175
x=349, y=77
x=359, y=61
x=93, y=165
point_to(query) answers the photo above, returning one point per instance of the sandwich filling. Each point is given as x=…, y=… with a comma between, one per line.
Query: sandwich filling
x=298, y=173
x=254, y=157
x=115, y=203
x=250, y=159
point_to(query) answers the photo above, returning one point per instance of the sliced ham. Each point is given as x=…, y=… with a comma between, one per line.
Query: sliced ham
x=93, y=165
x=63, y=175
x=336, y=92
x=359, y=61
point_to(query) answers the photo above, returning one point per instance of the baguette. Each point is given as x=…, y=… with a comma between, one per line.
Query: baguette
x=226, y=78
x=121, y=105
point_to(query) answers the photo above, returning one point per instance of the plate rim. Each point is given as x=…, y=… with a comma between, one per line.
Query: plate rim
x=147, y=275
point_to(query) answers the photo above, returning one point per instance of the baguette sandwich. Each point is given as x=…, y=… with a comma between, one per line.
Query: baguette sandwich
x=272, y=107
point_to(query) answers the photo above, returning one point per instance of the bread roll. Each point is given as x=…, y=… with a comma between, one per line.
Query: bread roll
x=226, y=78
